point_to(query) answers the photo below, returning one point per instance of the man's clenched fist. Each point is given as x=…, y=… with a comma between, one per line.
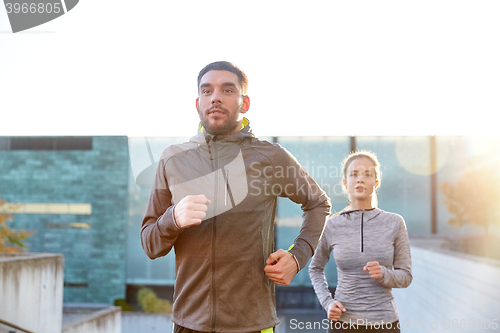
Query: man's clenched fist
x=281, y=267
x=191, y=210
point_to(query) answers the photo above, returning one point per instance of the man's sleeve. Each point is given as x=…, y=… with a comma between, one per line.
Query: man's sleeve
x=297, y=185
x=159, y=230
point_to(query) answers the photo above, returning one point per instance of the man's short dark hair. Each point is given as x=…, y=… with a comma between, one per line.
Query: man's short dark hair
x=226, y=66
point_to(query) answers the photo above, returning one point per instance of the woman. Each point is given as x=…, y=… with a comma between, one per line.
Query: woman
x=372, y=253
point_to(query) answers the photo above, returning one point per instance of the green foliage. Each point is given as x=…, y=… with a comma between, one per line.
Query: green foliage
x=11, y=240
x=123, y=304
x=151, y=303
x=475, y=196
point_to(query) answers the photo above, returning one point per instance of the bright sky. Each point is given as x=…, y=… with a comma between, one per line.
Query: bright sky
x=122, y=67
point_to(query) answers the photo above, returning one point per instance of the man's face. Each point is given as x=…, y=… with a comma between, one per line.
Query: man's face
x=220, y=103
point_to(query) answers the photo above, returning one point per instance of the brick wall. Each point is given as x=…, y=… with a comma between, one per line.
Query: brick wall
x=94, y=245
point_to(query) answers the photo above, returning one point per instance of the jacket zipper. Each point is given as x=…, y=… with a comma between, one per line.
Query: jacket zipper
x=362, y=212
x=227, y=194
x=214, y=157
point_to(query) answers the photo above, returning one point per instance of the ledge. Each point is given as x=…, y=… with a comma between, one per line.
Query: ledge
x=4, y=256
x=439, y=243
x=87, y=313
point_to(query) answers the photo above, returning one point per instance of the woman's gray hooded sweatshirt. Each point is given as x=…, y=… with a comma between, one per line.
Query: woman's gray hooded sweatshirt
x=357, y=237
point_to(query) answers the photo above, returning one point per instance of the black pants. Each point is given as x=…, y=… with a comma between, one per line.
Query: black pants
x=341, y=327
x=180, y=329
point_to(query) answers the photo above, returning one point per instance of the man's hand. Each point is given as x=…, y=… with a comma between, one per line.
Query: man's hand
x=191, y=210
x=335, y=310
x=373, y=267
x=281, y=267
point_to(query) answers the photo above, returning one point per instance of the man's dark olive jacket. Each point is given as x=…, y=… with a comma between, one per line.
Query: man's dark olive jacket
x=220, y=284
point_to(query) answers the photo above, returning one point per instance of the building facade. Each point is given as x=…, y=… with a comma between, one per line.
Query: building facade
x=72, y=192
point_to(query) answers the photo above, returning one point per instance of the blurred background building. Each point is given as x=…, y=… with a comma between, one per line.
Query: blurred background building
x=73, y=193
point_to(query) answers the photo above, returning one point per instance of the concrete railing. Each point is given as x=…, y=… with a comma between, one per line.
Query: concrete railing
x=31, y=291
x=133, y=322
x=450, y=292
x=107, y=320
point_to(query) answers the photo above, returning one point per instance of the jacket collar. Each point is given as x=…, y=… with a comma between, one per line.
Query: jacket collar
x=246, y=132
x=368, y=214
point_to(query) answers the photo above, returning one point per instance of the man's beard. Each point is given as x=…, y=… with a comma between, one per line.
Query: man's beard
x=229, y=126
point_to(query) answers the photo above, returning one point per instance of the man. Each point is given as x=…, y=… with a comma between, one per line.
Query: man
x=214, y=200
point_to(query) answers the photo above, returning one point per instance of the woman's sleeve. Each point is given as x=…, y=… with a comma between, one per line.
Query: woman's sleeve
x=317, y=269
x=400, y=276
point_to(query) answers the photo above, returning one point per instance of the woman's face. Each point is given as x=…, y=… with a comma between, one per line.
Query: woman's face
x=360, y=179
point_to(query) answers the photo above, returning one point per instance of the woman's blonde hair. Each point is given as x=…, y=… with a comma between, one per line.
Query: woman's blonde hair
x=378, y=175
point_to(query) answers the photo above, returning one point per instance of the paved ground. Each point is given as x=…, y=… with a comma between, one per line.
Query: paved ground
x=301, y=321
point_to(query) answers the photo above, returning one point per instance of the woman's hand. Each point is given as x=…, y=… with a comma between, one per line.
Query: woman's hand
x=335, y=310
x=373, y=267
